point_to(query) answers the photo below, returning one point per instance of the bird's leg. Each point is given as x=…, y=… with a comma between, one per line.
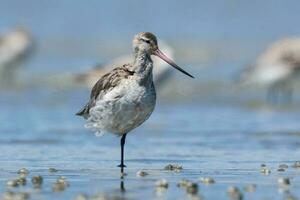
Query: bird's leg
x=287, y=93
x=122, y=152
x=273, y=94
x=122, y=187
x=270, y=95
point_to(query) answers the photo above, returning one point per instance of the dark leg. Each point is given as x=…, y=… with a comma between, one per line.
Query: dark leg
x=280, y=92
x=287, y=94
x=122, y=187
x=122, y=152
x=273, y=94
x=270, y=94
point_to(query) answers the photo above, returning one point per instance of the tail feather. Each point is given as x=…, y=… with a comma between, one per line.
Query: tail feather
x=84, y=112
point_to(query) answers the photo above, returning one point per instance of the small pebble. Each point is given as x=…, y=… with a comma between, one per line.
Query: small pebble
x=52, y=170
x=22, y=180
x=250, y=188
x=103, y=196
x=60, y=184
x=62, y=180
x=141, y=173
x=37, y=180
x=58, y=187
x=159, y=191
x=284, y=181
x=232, y=190
x=192, y=188
x=9, y=195
x=265, y=171
x=162, y=183
x=12, y=183
x=194, y=197
x=235, y=193
x=81, y=197
x=173, y=167
x=21, y=196
x=183, y=183
x=283, y=166
x=207, y=180
x=23, y=171
x=22, y=175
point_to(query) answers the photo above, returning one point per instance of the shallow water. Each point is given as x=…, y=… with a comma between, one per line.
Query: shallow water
x=226, y=142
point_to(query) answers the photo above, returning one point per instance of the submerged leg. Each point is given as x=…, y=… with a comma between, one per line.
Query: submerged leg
x=122, y=152
x=287, y=93
x=122, y=186
x=280, y=92
x=273, y=94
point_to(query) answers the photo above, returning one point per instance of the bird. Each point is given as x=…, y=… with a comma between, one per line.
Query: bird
x=87, y=79
x=161, y=71
x=15, y=47
x=124, y=98
x=277, y=68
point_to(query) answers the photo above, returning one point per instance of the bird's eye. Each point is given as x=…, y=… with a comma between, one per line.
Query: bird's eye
x=147, y=41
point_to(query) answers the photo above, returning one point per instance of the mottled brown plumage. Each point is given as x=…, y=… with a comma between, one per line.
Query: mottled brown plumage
x=105, y=83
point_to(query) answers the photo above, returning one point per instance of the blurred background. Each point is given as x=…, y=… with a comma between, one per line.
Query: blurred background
x=51, y=53
x=214, y=40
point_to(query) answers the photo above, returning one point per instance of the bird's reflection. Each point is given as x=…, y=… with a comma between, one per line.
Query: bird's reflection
x=122, y=187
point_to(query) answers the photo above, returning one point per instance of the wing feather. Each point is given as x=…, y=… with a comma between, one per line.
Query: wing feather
x=104, y=84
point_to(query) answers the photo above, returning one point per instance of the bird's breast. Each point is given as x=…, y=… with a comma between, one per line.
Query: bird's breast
x=139, y=95
x=123, y=108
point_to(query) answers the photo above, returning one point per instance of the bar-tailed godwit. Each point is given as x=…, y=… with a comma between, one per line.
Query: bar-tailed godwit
x=124, y=98
x=276, y=68
x=15, y=47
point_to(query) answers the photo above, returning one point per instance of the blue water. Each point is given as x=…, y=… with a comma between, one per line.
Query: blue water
x=207, y=125
x=226, y=142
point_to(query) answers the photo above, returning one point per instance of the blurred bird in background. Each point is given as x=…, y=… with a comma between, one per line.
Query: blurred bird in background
x=15, y=47
x=162, y=72
x=88, y=78
x=277, y=69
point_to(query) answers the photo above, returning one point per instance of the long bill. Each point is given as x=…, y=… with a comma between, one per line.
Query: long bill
x=170, y=62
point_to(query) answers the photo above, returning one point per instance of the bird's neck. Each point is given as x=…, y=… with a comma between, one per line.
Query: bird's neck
x=142, y=66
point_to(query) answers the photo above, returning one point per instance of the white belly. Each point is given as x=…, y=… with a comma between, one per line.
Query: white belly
x=123, y=108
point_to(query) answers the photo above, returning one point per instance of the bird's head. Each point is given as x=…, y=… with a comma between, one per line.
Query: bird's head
x=146, y=42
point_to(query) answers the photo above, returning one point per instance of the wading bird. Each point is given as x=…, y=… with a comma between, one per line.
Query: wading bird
x=276, y=68
x=15, y=47
x=124, y=98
